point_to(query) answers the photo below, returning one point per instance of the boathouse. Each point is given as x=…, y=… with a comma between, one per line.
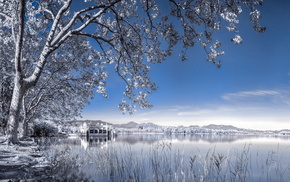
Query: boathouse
x=97, y=131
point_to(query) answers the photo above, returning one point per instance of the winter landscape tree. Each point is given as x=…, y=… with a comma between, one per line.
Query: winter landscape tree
x=49, y=41
x=64, y=88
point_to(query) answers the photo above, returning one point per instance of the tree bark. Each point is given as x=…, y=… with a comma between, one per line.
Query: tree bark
x=16, y=103
x=25, y=121
x=25, y=128
x=6, y=96
x=19, y=85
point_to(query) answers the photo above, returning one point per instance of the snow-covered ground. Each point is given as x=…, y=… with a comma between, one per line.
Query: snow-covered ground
x=21, y=161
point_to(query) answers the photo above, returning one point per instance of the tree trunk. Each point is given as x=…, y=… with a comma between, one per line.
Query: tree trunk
x=19, y=84
x=6, y=95
x=16, y=103
x=25, y=128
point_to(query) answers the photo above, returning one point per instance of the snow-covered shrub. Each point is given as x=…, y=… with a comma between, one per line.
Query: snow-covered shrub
x=44, y=129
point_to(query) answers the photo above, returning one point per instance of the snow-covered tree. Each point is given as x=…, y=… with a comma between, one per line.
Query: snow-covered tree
x=65, y=88
x=129, y=34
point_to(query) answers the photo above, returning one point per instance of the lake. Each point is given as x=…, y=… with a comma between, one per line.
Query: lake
x=160, y=157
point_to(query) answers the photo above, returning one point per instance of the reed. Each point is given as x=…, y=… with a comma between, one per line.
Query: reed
x=162, y=163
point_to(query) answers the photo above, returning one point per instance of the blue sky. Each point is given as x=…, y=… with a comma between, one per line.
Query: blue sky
x=250, y=90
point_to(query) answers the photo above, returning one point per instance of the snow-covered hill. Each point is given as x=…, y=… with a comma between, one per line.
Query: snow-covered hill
x=133, y=127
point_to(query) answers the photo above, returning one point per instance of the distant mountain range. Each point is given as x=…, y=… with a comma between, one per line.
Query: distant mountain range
x=133, y=124
x=221, y=127
x=133, y=127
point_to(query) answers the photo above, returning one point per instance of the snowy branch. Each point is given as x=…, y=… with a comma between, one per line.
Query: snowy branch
x=62, y=10
x=94, y=37
x=6, y=16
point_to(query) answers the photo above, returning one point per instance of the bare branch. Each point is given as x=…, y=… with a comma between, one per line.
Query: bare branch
x=6, y=73
x=64, y=32
x=53, y=43
x=62, y=10
x=94, y=37
x=32, y=107
x=103, y=25
x=49, y=12
x=5, y=15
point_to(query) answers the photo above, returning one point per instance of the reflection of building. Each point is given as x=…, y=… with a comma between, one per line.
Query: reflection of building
x=96, y=141
x=84, y=143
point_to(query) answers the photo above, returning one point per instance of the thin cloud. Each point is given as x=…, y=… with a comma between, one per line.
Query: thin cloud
x=245, y=94
x=194, y=113
x=246, y=116
x=218, y=110
x=205, y=111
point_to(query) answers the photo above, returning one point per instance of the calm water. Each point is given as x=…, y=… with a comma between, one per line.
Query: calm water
x=155, y=157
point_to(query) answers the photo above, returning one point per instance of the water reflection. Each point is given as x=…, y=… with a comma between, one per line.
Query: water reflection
x=108, y=159
x=207, y=138
x=95, y=141
x=132, y=139
x=85, y=142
